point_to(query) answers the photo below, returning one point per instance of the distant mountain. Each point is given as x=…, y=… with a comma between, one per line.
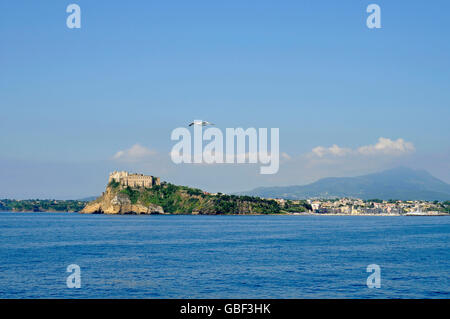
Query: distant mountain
x=398, y=183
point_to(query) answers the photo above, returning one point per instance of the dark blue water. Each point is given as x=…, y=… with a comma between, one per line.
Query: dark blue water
x=223, y=256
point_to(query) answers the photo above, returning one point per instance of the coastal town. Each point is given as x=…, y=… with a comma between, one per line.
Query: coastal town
x=355, y=206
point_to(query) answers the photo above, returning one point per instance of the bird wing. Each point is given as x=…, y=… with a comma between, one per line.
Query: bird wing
x=191, y=124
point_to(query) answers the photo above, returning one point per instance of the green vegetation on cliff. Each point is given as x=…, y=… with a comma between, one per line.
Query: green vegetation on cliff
x=300, y=207
x=186, y=200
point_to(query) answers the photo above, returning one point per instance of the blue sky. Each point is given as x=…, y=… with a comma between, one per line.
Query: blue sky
x=72, y=98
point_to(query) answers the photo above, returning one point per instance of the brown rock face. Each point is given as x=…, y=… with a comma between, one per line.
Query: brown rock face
x=91, y=208
x=113, y=202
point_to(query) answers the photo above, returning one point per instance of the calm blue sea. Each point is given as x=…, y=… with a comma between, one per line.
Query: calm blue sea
x=223, y=256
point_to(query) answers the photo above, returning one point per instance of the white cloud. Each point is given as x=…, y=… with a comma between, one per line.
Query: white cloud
x=134, y=154
x=385, y=146
x=388, y=147
x=334, y=150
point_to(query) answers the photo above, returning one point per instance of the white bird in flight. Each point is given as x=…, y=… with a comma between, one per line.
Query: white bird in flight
x=201, y=123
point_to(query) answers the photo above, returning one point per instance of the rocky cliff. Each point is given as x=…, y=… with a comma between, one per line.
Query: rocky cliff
x=115, y=202
x=172, y=199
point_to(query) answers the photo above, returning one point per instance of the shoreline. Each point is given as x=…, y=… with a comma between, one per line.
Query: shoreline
x=269, y=214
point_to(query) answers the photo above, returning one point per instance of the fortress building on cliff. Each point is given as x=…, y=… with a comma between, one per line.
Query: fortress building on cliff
x=134, y=180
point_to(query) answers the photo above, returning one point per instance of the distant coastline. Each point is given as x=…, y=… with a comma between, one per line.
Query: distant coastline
x=41, y=205
x=234, y=214
x=64, y=203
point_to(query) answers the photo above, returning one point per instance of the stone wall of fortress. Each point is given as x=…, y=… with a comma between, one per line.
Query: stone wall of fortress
x=134, y=180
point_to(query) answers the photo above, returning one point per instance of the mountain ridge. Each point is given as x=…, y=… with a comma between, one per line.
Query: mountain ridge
x=398, y=183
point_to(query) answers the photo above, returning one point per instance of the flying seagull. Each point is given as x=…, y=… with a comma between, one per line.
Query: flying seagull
x=201, y=123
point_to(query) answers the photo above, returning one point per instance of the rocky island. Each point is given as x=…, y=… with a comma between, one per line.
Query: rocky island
x=140, y=194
